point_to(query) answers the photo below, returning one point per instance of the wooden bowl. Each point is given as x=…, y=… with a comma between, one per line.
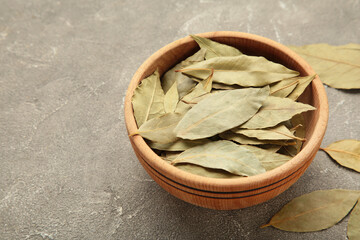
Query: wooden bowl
x=225, y=194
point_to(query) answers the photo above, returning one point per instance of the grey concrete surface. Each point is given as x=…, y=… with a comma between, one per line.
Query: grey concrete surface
x=67, y=170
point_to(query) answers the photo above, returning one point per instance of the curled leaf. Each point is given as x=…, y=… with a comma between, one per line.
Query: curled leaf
x=346, y=153
x=315, y=211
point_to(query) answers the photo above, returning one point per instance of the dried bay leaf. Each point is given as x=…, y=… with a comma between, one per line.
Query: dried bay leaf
x=284, y=87
x=195, y=95
x=346, y=153
x=242, y=139
x=160, y=129
x=353, y=229
x=298, y=123
x=171, y=99
x=177, y=145
x=301, y=86
x=274, y=111
x=223, y=86
x=205, y=172
x=315, y=211
x=243, y=70
x=215, y=49
x=337, y=66
x=148, y=99
x=227, y=109
x=184, y=83
x=269, y=160
x=224, y=155
x=279, y=132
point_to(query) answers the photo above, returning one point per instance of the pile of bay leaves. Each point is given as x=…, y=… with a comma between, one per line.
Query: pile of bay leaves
x=223, y=114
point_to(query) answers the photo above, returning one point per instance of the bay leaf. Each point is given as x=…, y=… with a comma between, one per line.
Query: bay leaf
x=171, y=99
x=301, y=86
x=160, y=129
x=315, y=211
x=148, y=99
x=298, y=123
x=205, y=172
x=337, y=66
x=279, y=132
x=269, y=160
x=243, y=70
x=195, y=95
x=284, y=87
x=224, y=155
x=225, y=86
x=227, y=109
x=346, y=153
x=184, y=83
x=215, y=49
x=274, y=111
x=353, y=229
x=178, y=145
x=242, y=139
x=271, y=147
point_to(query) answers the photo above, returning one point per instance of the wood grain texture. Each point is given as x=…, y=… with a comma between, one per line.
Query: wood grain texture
x=239, y=192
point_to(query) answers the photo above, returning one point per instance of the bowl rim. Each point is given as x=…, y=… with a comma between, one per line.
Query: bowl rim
x=207, y=183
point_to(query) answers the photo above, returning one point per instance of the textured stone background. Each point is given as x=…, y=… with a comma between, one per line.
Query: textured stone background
x=67, y=170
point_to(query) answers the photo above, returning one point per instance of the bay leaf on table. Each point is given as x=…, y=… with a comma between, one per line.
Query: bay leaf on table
x=224, y=155
x=346, y=153
x=171, y=99
x=315, y=211
x=184, y=83
x=279, y=132
x=337, y=66
x=274, y=111
x=353, y=229
x=160, y=129
x=269, y=160
x=242, y=139
x=215, y=49
x=177, y=145
x=148, y=99
x=220, y=112
x=243, y=70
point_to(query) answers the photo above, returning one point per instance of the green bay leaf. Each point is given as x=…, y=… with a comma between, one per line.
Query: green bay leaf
x=224, y=155
x=315, y=211
x=220, y=112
